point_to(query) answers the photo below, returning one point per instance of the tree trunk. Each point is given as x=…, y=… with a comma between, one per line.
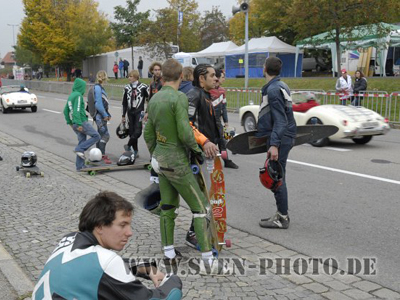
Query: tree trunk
x=338, y=50
x=68, y=69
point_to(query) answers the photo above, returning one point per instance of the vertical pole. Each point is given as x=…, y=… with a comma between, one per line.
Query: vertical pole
x=246, y=52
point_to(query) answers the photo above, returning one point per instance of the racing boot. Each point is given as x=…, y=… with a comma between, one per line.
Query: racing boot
x=278, y=221
x=172, y=261
x=191, y=240
x=213, y=267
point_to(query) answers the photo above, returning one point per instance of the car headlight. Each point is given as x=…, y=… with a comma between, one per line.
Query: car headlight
x=34, y=99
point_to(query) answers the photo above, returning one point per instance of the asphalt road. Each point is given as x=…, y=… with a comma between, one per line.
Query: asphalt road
x=343, y=199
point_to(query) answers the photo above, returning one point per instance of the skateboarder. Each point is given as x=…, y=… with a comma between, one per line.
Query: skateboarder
x=202, y=116
x=85, y=265
x=135, y=96
x=169, y=137
x=75, y=116
x=102, y=114
x=276, y=121
x=201, y=111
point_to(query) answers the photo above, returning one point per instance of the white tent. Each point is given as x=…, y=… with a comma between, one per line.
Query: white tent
x=269, y=44
x=216, y=50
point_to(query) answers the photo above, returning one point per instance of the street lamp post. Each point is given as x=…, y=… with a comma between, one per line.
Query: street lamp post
x=13, y=25
x=244, y=7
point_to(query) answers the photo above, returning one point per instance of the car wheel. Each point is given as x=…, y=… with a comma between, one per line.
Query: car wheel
x=362, y=140
x=249, y=122
x=3, y=109
x=318, y=68
x=321, y=142
x=34, y=108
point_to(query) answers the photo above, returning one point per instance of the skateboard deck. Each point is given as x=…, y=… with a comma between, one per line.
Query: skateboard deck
x=215, y=195
x=251, y=143
x=93, y=169
x=28, y=172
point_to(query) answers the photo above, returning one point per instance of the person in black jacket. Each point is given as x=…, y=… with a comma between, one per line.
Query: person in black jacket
x=140, y=66
x=85, y=264
x=126, y=68
x=360, y=84
x=135, y=96
x=276, y=120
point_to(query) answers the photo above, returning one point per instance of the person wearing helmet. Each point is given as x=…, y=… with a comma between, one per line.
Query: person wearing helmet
x=309, y=102
x=135, y=96
x=276, y=121
x=75, y=116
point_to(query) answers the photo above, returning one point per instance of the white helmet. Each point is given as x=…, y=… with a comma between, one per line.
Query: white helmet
x=95, y=155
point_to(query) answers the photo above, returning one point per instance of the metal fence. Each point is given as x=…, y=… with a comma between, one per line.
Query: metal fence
x=114, y=91
x=387, y=105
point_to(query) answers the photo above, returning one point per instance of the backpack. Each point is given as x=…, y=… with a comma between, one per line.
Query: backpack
x=91, y=107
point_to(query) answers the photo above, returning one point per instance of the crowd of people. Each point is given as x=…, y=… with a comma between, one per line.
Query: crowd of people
x=184, y=118
x=350, y=92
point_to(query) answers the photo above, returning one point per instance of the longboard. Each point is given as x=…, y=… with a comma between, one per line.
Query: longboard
x=216, y=214
x=92, y=170
x=251, y=143
x=30, y=171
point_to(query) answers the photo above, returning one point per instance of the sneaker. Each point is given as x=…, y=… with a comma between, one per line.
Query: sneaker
x=191, y=240
x=215, y=269
x=80, y=154
x=106, y=160
x=173, y=261
x=230, y=164
x=276, y=221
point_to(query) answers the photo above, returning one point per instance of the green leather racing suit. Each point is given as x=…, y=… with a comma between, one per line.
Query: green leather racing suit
x=170, y=138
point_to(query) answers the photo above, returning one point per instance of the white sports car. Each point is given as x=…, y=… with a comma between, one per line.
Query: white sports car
x=357, y=123
x=15, y=96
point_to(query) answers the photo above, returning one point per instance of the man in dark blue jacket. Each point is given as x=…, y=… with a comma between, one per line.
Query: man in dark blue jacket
x=276, y=121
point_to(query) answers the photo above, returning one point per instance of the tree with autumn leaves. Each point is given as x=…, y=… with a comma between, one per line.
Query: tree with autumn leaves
x=63, y=32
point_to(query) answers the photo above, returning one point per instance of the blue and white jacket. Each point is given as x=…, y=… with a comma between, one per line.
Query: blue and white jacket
x=79, y=268
x=275, y=118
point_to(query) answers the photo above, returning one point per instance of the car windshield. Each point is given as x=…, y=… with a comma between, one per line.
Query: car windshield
x=303, y=97
x=10, y=89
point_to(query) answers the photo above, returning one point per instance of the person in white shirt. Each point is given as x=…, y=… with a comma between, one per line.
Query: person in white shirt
x=344, y=87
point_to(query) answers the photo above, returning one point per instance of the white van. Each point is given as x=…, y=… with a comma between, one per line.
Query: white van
x=186, y=59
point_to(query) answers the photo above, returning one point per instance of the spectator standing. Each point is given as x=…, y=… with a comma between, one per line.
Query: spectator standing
x=140, y=66
x=186, y=84
x=360, y=84
x=115, y=70
x=126, y=68
x=344, y=86
x=121, y=68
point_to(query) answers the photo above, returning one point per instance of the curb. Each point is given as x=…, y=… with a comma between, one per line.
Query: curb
x=14, y=274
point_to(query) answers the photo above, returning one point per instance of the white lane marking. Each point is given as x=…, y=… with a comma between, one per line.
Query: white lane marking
x=52, y=111
x=60, y=99
x=337, y=149
x=345, y=172
x=330, y=148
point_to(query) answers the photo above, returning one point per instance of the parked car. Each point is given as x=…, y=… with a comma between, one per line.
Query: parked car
x=17, y=97
x=354, y=122
x=311, y=64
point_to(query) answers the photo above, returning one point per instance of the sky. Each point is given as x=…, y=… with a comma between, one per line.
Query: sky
x=13, y=14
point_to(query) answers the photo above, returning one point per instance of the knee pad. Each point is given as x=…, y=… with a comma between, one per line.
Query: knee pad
x=169, y=207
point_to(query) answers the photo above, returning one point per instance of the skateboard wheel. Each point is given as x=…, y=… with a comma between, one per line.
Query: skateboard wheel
x=41, y=174
x=149, y=167
x=195, y=169
x=228, y=243
x=92, y=173
x=17, y=168
x=224, y=155
x=28, y=175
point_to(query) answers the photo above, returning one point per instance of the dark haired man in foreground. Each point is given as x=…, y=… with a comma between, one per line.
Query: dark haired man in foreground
x=84, y=265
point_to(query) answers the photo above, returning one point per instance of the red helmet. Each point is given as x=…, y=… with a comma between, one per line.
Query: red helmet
x=271, y=175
